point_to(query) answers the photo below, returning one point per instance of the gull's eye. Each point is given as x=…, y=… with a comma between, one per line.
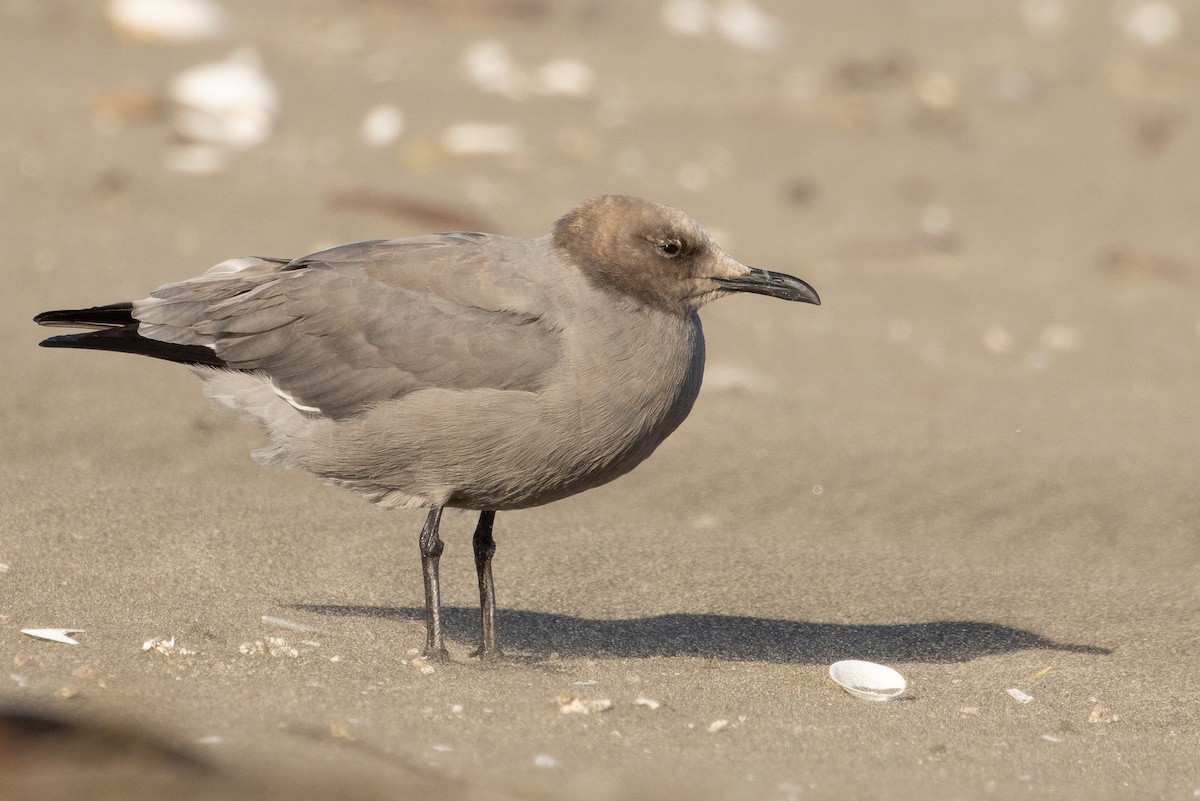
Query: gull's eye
x=670, y=247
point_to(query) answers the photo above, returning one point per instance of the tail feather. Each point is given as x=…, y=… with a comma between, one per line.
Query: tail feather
x=114, y=315
x=115, y=329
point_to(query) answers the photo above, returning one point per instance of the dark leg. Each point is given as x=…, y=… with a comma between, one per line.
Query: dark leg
x=485, y=546
x=431, y=550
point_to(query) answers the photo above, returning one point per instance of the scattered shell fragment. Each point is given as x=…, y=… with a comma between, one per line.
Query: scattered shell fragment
x=168, y=20
x=477, y=138
x=746, y=25
x=564, y=76
x=649, y=703
x=1153, y=23
x=231, y=103
x=867, y=680
x=167, y=647
x=490, y=67
x=1019, y=695
x=1102, y=714
x=54, y=635
x=273, y=646
x=570, y=704
x=718, y=725
x=382, y=125
x=545, y=761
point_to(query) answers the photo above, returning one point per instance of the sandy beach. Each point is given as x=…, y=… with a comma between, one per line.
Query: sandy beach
x=976, y=462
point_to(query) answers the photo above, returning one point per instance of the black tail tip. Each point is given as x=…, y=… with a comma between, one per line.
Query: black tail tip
x=62, y=341
x=114, y=315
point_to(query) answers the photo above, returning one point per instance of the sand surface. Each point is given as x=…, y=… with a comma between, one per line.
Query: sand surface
x=976, y=462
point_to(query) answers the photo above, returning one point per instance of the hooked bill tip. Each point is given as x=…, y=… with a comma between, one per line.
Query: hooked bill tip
x=775, y=285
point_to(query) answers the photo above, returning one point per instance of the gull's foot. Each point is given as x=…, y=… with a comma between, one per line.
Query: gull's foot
x=488, y=654
x=439, y=655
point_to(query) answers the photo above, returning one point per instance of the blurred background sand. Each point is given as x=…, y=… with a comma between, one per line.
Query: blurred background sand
x=976, y=462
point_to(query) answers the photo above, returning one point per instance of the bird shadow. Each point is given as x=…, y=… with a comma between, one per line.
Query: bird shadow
x=727, y=637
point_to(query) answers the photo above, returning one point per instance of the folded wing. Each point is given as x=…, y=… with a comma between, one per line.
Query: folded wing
x=363, y=323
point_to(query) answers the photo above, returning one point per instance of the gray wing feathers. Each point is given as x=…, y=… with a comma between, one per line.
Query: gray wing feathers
x=363, y=323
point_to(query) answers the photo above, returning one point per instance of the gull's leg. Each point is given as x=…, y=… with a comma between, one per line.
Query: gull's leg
x=485, y=546
x=431, y=551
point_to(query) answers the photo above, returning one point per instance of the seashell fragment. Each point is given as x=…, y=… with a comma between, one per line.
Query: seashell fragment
x=867, y=680
x=1153, y=23
x=564, y=76
x=231, y=103
x=490, y=67
x=54, y=635
x=746, y=25
x=169, y=20
x=382, y=125
x=570, y=704
x=1020, y=696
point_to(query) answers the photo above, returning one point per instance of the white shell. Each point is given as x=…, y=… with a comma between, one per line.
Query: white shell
x=55, y=635
x=746, y=25
x=169, y=20
x=231, y=103
x=1020, y=696
x=490, y=67
x=564, y=76
x=383, y=125
x=867, y=680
